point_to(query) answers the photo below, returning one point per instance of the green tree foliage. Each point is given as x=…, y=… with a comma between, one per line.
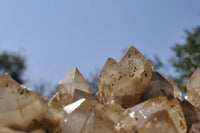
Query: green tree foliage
x=187, y=57
x=13, y=64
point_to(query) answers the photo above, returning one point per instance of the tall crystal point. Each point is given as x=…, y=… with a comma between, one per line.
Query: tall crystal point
x=125, y=81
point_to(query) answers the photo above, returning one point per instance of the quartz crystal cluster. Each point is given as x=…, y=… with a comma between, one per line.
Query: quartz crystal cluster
x=131, y=98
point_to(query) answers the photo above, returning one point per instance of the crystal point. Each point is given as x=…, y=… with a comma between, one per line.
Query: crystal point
x=190, y=113
x=73, y=80
x=67, y=86
x=124, y=82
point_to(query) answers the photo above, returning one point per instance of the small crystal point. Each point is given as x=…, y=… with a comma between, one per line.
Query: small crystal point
x=73, y=80
x=67, y=86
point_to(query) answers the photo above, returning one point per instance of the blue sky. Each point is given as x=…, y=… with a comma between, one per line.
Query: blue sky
x=57, y=35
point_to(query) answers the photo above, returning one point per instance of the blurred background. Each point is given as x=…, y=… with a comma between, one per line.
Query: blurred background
x=41, y=41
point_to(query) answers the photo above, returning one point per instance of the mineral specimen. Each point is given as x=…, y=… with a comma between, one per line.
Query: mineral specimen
x=75, y=116
x=136, y=114
x=67, y=86
x=131, y=98
x=73, y=80
x=103, y=117
x=19, y=106
x=193, y=88
x=125, y=81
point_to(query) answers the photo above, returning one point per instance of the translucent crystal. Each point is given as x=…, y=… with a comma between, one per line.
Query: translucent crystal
x=176, y=90
x=19, y=106
x=133, y=115
x=193, y=88
x=159, y=122
x=158, y=86
x=67, y=86
x=103, y=118
x=124, y=82
x=51, y=115
x=59, y=100
x=143, y=111
x=73, y=80
x=75, y=116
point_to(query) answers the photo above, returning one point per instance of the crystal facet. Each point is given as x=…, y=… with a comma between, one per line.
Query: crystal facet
x=67, y=86
x=143, y=111
x=131, y=98
x=124, y=82
x=19, y=106
x=193, y=88
x=75, y=116
x=158, y=86
x=160, y=122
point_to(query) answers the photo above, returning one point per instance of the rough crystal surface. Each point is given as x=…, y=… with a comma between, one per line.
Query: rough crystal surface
x=193, y=88
x=19, y=106
x=67, y=86
x=143, y=111
x=125, y=81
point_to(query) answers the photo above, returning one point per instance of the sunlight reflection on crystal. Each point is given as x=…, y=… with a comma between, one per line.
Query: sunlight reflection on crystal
x=143, y=114
x=132, y=114
x=118, y=127
x=71, y=107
